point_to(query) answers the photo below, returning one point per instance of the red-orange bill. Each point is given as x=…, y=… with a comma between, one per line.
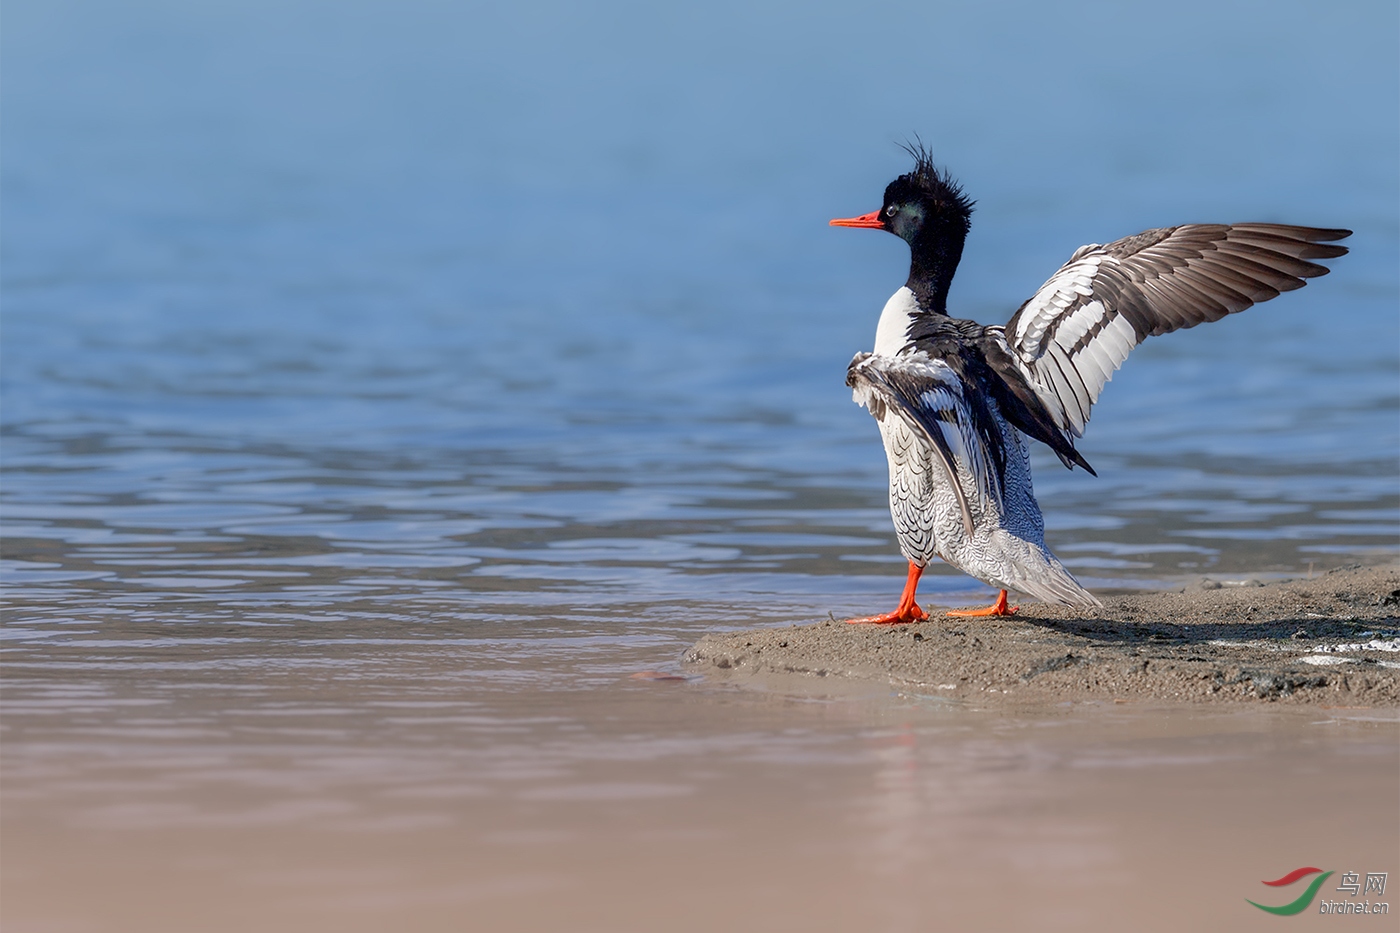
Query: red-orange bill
x=871, y=219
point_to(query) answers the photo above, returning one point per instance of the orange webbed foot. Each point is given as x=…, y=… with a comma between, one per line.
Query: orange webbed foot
x=907, y=612
x=998, y=608
x=901, y=616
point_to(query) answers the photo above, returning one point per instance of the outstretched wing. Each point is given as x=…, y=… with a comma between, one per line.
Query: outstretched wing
x=1070, y=338
x=930, y=396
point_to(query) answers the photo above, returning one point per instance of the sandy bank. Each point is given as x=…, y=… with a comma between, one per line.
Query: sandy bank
x=1333, y=640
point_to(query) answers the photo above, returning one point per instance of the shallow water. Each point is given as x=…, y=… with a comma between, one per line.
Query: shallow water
x=414, y=792
x=382, y=387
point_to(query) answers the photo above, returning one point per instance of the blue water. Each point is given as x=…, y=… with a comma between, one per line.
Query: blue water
x=461, y=294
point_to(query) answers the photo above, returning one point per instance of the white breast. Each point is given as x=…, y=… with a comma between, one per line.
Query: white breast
x=892, y=334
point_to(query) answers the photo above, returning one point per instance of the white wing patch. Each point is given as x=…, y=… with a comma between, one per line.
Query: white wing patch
x=1071, y=284
x=1079, y=322
x=1069, y=343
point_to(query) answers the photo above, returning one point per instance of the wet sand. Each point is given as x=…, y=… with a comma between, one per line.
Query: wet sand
x=1332, y=640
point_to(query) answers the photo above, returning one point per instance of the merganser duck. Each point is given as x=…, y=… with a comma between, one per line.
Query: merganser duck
x=956, y=400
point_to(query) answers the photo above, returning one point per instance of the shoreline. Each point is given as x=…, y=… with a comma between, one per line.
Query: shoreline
x=1332, y=640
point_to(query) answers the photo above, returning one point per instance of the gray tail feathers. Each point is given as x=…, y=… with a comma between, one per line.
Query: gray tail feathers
x=1048, y=581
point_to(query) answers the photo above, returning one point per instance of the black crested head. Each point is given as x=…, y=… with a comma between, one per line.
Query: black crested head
x=938, y=199
x=929, y=211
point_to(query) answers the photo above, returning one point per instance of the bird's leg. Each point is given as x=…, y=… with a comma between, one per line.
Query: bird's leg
x=907, y=611
x=998, y=608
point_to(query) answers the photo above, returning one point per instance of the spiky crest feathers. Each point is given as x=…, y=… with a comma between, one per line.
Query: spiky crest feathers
x=931, y=186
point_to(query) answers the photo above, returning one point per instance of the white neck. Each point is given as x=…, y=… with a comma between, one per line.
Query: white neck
x=892, y=334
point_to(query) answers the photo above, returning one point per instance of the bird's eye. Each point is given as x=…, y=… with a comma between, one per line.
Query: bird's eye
x=891, y=211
